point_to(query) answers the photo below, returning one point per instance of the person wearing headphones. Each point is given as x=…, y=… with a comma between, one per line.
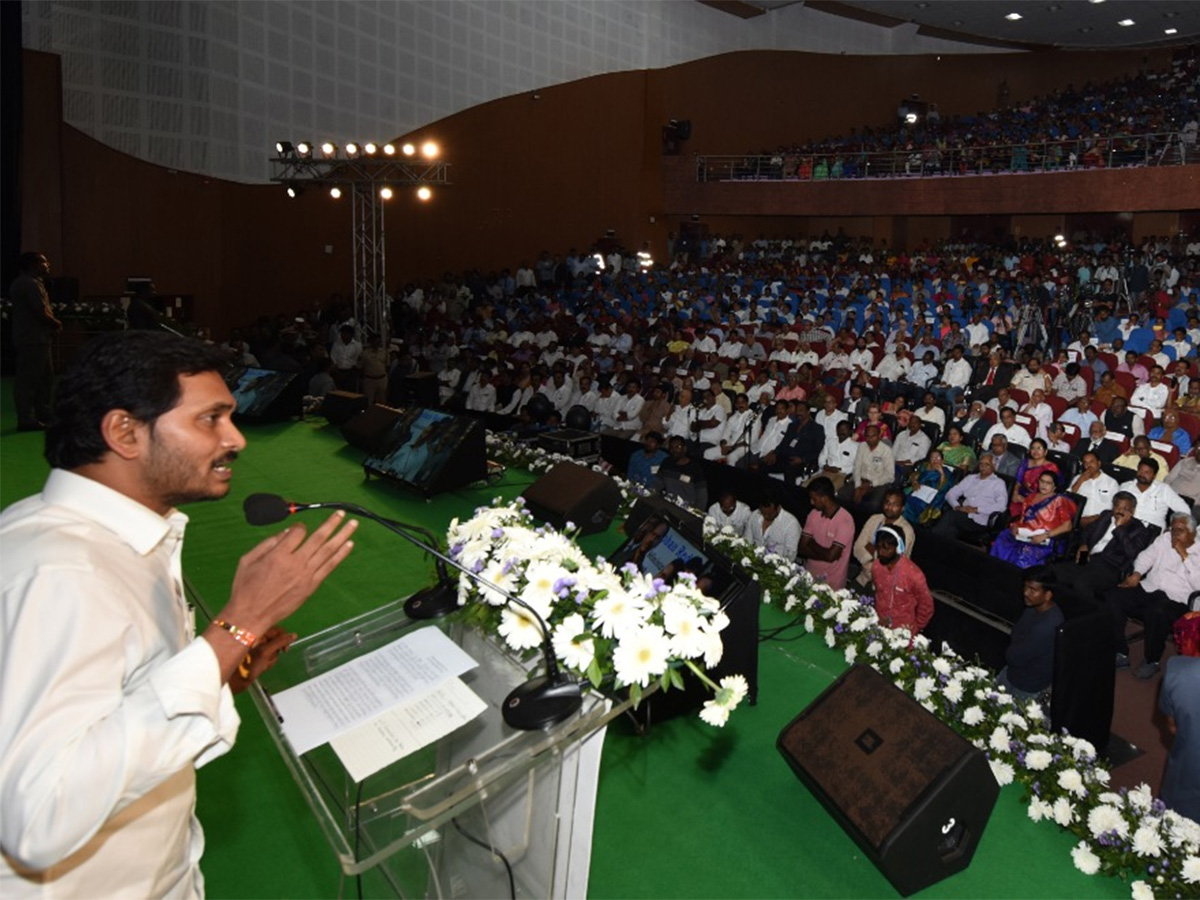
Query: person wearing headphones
x=902, y=598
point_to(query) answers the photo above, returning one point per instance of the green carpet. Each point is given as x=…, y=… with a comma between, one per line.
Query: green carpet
x=689, y=811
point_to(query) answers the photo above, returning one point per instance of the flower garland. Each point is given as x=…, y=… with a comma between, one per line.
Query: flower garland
x=1127, y=833
x=617, y=628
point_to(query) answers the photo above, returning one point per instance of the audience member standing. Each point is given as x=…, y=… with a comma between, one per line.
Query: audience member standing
x=827, y=537
x=32, y=325
x=902, y=597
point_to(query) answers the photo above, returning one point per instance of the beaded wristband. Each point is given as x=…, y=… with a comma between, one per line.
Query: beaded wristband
x=241, y=635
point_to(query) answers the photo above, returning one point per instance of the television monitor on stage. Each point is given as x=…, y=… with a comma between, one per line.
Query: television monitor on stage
x=265, y=394
x=431, y=450
x=665, y=540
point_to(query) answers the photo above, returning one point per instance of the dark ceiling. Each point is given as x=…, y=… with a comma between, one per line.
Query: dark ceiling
x=1043, y=24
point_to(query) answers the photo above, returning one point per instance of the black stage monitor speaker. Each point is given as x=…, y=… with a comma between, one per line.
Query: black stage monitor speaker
x=265, y=395
x=911, y=792
x=367, y=430
x=341, y=406
x=431, y=451
x=571, y=493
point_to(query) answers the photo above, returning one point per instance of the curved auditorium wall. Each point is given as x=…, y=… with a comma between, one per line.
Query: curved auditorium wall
x=549, y=170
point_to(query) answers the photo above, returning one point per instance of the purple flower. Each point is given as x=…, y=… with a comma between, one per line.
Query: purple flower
x=497, y=533
x=478, y=567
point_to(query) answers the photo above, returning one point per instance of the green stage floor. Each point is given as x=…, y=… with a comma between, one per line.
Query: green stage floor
x=688, y=811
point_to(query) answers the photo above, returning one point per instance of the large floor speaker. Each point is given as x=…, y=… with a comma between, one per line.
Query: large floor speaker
x=572, y=493
x=913, y=794
x=367, y=430
x=339, y=407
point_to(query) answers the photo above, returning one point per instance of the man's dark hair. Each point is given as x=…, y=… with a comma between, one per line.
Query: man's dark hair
x=133, y=370
x=821, y=487
x=1149, y=462
x=893, y=492
x=1042, y=575
x=27, y=262
x=1124, y=495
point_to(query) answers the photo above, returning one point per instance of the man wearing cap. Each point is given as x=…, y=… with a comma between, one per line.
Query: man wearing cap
x=902, y=597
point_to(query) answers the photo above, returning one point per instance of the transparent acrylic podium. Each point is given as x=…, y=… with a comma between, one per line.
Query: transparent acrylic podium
x=426, y=826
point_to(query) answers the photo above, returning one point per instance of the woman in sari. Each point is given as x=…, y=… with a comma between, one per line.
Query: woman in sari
x=1029, y=472
x=957, y=454
x=1037, y=534
x=928, y=486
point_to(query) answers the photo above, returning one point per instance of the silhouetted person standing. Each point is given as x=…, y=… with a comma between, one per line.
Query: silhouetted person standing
x=32, y=325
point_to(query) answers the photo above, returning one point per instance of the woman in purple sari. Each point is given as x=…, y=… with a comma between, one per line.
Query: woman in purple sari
x=1038, y=533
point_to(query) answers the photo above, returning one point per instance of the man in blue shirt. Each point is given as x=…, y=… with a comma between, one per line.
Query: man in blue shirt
x=644, y=463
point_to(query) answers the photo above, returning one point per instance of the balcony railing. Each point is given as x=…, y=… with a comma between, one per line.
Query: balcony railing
x=1159, y=149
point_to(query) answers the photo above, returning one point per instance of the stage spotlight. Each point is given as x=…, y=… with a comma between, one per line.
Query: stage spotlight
x=389, y=149
x=408, y=149
x=429, y=150
x=329, y=149
x=335, y=192
x=294, y=190
x=385, y=192
x=304, y=148
x=911, y=118
x=352, y=149
x=370, y=147
x=283, y=148
x=424, y=193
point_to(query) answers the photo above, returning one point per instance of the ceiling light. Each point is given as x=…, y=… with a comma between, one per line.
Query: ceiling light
x=389, y=149
x=352, y=149
x=408, y=149
x=283, y=147
x=329, y=148
x=370, y=147
x=1171, y=31
x=1125, y=23
x=294, y=191
x=335, y=192
x=385, y=192
x=429, y=149
x=1012, y=17
x=304, y=148
x=424, y=193
x=1095, y=1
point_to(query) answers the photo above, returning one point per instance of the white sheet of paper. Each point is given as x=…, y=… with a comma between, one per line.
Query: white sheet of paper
x=317, y=710
x=406, y=728
x=1028, y=534
x=925, y=493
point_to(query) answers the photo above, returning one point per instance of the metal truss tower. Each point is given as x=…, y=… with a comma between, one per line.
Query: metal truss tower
x=365, y=177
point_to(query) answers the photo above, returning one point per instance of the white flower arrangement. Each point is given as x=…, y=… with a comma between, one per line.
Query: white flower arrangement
x=1126, y=834
x=616, y=628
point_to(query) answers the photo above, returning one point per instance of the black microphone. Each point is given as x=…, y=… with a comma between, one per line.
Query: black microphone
x=539, y=702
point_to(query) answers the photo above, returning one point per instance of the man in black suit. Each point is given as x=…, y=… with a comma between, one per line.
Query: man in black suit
x=1105, y=450
x=1107, y=550
x=989, y=375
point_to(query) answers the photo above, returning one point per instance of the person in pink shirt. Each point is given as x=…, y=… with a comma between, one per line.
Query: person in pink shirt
x=1134, y=368
x=827, y=537
x=792, y=391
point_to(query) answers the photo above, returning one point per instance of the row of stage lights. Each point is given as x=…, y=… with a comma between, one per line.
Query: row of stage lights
x=352, y=150
x=424, y=193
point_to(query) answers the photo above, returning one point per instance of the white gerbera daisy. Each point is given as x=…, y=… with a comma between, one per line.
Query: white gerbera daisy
x=519, y=629
x=641, y=654
x=1085, y=860
x=573, y=645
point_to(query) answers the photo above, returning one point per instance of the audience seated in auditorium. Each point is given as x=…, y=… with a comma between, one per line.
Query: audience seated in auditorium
x=1107, y=549
x=730, y=512
x=1164, y=577
x=1156, y=501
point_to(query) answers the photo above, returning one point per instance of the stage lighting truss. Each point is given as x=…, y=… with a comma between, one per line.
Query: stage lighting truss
x=362, y=174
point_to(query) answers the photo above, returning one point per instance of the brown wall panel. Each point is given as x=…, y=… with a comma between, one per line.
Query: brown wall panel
x=42, y=158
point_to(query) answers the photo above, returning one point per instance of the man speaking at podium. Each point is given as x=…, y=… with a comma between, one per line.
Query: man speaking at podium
x=108, y=699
